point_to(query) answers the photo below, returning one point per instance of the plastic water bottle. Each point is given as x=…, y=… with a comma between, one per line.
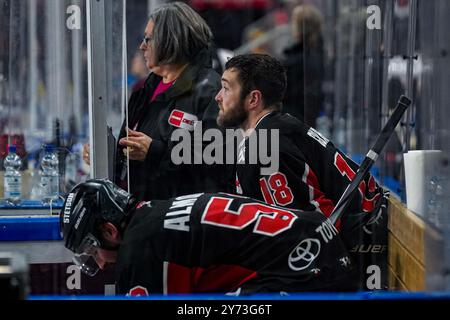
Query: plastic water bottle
x=50, y=175
x=13, y=177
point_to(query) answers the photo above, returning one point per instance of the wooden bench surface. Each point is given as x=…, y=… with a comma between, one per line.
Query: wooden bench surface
x=415, y=249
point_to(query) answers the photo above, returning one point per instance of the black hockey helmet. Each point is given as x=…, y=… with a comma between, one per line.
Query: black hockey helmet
x=87, y=205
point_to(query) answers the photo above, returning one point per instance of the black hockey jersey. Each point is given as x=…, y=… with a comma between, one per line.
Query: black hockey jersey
x=226, y=243
x=308, y=172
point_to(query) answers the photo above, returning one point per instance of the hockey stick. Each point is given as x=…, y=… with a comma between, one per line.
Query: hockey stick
x=402, y=104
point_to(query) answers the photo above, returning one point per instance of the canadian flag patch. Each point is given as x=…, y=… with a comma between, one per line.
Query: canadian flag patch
x=182, y=120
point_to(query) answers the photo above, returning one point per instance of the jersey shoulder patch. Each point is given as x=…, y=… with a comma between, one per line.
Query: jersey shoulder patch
x=316, y=135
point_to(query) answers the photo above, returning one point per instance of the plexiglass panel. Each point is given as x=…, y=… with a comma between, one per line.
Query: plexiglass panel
x=44, y=99
x=44, y=105
x=44, y=86
x=351, y=67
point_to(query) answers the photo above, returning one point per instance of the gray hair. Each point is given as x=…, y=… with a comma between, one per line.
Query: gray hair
x=179, y=33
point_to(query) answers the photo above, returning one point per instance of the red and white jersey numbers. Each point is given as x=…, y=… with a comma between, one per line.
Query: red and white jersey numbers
x=267, y=220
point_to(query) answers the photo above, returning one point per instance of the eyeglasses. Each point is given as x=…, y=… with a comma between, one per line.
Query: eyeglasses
x=146, y=40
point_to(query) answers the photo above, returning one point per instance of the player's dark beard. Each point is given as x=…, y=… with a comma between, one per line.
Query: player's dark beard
x=234, y=117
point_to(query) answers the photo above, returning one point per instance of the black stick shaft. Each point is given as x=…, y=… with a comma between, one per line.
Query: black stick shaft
x=371, y=157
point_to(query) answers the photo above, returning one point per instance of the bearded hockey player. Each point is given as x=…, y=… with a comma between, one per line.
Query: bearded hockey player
x=310, y=173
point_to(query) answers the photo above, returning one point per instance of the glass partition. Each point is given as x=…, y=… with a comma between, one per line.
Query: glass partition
x=432, y=125
x=44, y=112
x=44, y=84
x=368, y=62
x=44, y=89
x=353, y=70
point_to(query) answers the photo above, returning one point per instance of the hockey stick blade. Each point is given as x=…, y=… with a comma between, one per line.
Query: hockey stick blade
x=402, y=104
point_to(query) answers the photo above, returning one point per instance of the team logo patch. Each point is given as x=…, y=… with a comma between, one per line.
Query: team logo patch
x=182, y=120
x=138, y=291
x=304, y=254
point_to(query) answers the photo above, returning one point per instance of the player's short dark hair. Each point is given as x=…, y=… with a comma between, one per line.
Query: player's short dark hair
x=261, y=72
x=179, y=33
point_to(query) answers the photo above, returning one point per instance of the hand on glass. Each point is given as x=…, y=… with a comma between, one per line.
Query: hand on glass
x=86, y=154
x=138, y=145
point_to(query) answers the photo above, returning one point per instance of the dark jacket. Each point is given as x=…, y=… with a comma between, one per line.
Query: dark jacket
x=193, y=93
x=305, y=72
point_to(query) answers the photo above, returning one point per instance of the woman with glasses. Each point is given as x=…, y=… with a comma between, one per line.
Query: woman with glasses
x=178, y=94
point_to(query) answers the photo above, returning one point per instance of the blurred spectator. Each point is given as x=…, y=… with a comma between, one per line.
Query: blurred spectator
x=228, y=18
x=268, y=35
x=305, y=66
x=139, y=71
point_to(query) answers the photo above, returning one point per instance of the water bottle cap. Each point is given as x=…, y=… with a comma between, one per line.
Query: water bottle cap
x=12, y=149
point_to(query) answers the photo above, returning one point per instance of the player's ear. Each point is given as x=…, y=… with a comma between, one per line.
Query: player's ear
x=255, y=99
x=110, y=232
